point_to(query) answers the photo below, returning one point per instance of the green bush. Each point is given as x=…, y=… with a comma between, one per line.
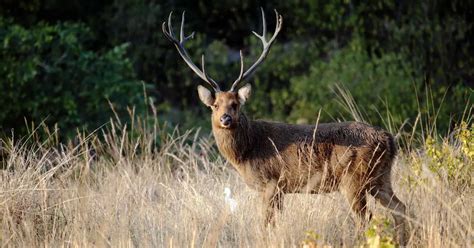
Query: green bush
x=378, y=85
x=387, y=89
x=48, y=73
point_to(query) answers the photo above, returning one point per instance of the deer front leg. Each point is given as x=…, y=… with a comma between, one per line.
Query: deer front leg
x=272, y=199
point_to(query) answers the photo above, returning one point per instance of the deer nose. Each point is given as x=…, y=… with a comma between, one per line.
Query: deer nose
x=226, y=120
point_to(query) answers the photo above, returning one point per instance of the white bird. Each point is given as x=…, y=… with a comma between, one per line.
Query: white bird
x=231, y=203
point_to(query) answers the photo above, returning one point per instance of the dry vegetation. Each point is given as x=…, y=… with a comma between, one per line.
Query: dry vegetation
x=149, y=187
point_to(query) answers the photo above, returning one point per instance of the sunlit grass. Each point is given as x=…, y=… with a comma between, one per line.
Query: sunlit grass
x=141, y=185
x=145, y=184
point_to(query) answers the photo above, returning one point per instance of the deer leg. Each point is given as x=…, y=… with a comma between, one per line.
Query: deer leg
x=356, y=197
x=389, y=200
x=272, y=199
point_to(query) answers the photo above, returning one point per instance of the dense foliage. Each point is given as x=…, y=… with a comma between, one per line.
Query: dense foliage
x=49, y=75
x=396, y=58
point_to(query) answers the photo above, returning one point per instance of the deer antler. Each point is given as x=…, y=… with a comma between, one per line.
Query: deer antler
x=266, y=49
x=179, y=44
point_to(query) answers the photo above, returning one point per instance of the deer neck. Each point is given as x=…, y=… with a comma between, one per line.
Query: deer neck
x=234, y=144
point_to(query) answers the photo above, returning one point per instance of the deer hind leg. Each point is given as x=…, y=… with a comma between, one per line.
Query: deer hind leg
x=357, y=198
x=272, y=199
x=388, y=199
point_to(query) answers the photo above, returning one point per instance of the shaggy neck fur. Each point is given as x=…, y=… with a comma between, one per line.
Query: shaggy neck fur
x=235, y=143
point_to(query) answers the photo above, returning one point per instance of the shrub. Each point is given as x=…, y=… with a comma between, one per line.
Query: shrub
x=48, y=73
x=382, y=86
x=379, y=234
x=452, y=159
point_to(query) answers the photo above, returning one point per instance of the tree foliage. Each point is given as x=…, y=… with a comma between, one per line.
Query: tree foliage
x=48, y=74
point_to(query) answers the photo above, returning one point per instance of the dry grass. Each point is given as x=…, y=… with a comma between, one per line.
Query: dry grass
x=151, y=188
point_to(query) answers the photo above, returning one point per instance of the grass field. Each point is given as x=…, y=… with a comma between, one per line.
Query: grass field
x=150, y=187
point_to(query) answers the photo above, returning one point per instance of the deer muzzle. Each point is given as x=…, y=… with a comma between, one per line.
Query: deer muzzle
x=226, y=120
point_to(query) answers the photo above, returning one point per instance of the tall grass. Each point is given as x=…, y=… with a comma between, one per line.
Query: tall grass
x=140, y=184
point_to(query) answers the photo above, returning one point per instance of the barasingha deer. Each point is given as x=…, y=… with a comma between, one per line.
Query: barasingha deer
x=277, y=158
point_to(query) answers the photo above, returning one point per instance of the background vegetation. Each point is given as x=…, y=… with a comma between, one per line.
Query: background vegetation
x=61, y=62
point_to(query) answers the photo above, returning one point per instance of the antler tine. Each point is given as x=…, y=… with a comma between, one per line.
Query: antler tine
x=204, y=72
x=181, y=29
x=241, y=72
x=266, y=48
x=264, y=23
x=279, y=23
x=179, y=44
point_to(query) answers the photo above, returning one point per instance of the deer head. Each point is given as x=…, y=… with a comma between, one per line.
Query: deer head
x=225, y=105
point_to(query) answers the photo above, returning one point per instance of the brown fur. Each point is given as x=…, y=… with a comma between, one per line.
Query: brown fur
x=277, y=158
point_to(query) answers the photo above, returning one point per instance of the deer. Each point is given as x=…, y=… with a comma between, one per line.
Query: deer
x=276, y=158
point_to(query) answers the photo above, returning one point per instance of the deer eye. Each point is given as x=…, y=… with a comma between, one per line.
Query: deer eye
x=215, y=106
x=234, y=105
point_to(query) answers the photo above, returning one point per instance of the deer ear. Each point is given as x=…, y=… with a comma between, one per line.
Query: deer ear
x=205, y=96
x=244, y=93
